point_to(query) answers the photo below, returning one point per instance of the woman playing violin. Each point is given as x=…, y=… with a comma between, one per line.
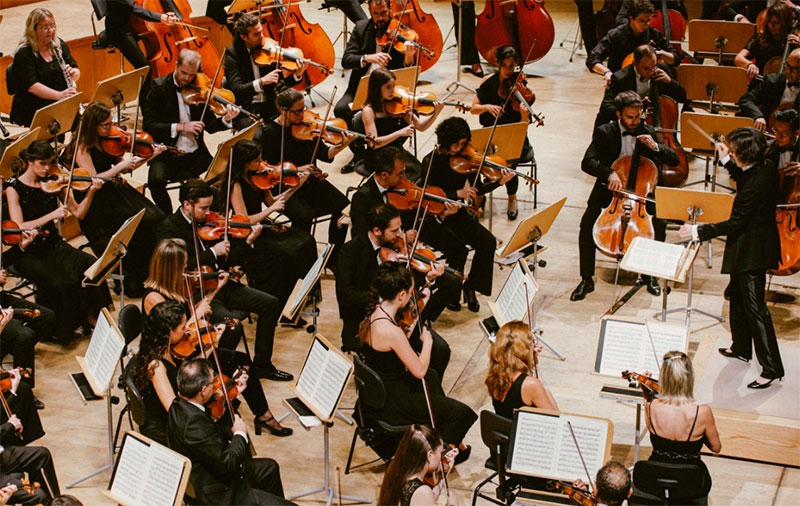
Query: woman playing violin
x=388, y=130
x=114, y=203
x=420, y=454
x=56, y=267
x=279, y=257
x=170, y=326
x=22, y=403
x=404, y=372
x=769, y=42
x=490, y=103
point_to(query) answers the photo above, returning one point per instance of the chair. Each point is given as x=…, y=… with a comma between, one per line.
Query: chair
x=135, y=402
x=669, y=483
x=379, y=435
x=129, y=321
x=495, y=430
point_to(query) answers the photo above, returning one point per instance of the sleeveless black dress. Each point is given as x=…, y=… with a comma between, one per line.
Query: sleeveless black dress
x=155, y=425
x=409, y=488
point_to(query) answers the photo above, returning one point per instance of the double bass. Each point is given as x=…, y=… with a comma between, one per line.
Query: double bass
x=523, y=24
x=410, y=14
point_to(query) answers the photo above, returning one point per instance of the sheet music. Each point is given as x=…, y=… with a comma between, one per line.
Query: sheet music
x=311, y=277
x=511, y=301
x=323, y=378
x=128, y=474
x=146, y=474
x=103, y=353
x=625, y=345
x=659, y=258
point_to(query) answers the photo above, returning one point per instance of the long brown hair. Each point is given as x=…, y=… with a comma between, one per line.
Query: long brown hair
x=409, y=459
x=391, y=279
x=166, y=269
x=377, y=79
x=511, y=353
x=95, y=114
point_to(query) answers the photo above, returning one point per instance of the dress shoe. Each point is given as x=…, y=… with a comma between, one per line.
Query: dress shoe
x=474, y=72
x=347, y=169
x=454, y=306
x=37, y=403
x=580, y=291
x=472, y=300
x=653, y=288
x=264, y=424
x=726, y=352
x=285, y=322
x=758, y=386
x=463, y=455
x=512, y=215
x=271, y=374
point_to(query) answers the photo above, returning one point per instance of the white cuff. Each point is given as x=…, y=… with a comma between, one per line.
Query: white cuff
x=173, y=130
x=243, y=434
x=695, y=234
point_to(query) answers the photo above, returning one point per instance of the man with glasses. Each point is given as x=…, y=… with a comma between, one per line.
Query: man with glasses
x=776, y=91
x=785, y=149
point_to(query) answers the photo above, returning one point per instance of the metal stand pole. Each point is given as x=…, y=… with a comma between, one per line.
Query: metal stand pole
x=535, y=329
x=109, y=401
x=457, y=83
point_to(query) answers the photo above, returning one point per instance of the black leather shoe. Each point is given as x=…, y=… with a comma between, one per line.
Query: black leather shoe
x=653, y=288
x=584, y=287
x=472, y=300
x=463, y=455
x=454, y=306
x=264, y=424
x=474, y=72
x=758, y=386
x=271, y=374
x=726, y=352
x=347, y=169
x=37, y=403
x=512, y=215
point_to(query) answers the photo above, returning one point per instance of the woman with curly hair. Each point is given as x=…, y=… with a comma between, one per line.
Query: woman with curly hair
x=387, y=351
x=769, y=42
x=420, y=452
x=510, y=380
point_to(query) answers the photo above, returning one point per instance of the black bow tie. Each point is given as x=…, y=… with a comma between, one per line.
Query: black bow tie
x=792, y=85
x=627, y=132
x=785, y=148
x=644, y=79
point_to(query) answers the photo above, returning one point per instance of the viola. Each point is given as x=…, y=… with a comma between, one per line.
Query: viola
x=197, y=93
x=578, y=495
x=268, y=176
x=664, y=118
x=224, y=388
x=469, y=161
x=12, y=234
x=648, y=385
x=58, y=178
x=789, y=193
x=193, y=337
x=626, y=217
x=206, y=277
x=406, y=195
x=332, y=130
x=401, y=36
x=287, y=57
x=5, y=377
x=524, y=24
x=410, y=14
x=118, y=142
x=422, y=102
x=422, y=259
x=522, y=97
x=238, y=226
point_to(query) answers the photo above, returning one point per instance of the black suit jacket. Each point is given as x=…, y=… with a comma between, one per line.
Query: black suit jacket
x=176, y=226
x=604, y=151
x=625, y=80
x=753, y=243
x=361, y=42
x=358, y=264
x=620, y=42
x=764, y=98
x=118, y=17
x=217, y=473
x=365, y=198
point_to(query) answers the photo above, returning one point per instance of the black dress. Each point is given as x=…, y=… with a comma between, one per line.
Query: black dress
x=387, y=125
x=513, y=399
x=111, y=206
x=409, y=488
x=56, y=267
x=155, y=424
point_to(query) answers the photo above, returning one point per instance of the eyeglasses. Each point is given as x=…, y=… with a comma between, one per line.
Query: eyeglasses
x=297, y=111
x=790, y=68
x=48, y=28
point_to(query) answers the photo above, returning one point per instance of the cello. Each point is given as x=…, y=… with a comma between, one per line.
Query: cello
x=411, y=15
x=787, y=214
x=664, y=118
x=523, y=24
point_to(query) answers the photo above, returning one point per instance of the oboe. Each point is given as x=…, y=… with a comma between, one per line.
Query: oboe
x=56, y=47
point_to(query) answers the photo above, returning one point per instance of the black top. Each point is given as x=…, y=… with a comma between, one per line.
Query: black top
x=620, y=42
x=513, y=399
x=30, y=68
x=668, y=450
x=35, y=203
x=297, y=151
x=763, y=49
x=488, y=95
x=118, y=17
x=409, y=488
x=155, y=426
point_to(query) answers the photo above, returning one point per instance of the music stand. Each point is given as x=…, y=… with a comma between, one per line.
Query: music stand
x=14, y=149
x=219, y=164
x=709, y=38
x=694, y=206
x=405, y=77
x=120, y=89
x=717, y=127
x=56, y=118
x=710, y=84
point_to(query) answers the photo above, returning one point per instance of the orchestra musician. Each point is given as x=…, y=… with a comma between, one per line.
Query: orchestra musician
x=419, y=454
x=196, y=198
x=255, y=94
x=489, y=103
x=115, y=202
x=363, y=54
x=745, y=11
x=351, y=8
x=769, y=42
x=612, y=484
x=623, y=12
x=223, y=470
x=317, y=196
x=56, y=267
x=610, y=142
x=646, y=77
x=156, y=372
x=34, y=460
x=410, y=382
x=752, y=246
x=43, y=71
x=776, y=91
x=22, y=404
x=623, y=40
x=358, y=265
x=460, y=229
x=171, y=121
x=783, y=151
x=291, y=249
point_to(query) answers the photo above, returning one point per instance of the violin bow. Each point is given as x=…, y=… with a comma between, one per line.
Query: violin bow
x=319, y=138
x=578, y=447
x=68, y=189
x=533, y=337
x=425, y=185
x=213, y=83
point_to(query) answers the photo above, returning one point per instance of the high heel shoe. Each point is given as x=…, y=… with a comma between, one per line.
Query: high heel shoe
x=472, y=300
x=264, y=424
x=756, y=385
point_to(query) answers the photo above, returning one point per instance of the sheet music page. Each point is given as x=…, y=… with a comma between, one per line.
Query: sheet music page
x=653, y=257
x=620, y=347
x=103, y=353
x=163, y=477
x=591, y=435
x=312, y=370
x=666, y=337
x=511, y=301
x=129, y=474
x=323, y=378
x=311, y=277
x=535, y=443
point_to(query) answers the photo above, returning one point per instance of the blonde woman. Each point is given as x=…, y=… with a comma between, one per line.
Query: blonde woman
x=511, y=380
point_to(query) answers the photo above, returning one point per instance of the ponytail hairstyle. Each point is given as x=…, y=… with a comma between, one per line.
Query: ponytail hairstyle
x=511, y=352
x=410, y=458
x=391, y=279
x=676, y=379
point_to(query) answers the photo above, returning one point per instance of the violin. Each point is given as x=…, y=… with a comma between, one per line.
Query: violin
x=268, y=176
x=648, y=385
x=578, y=495
x=58, y=177
x=422, y=102
x=422, y=259
x=434, y=478
x=205, y=277
x=406, y=195
x=238, y=226
x=522, y=97
x=12, y=234
x=401, y=36
x=468, y=161
x=332, y=130
x=192, y=338
x=217, y=404
x=118, y=142
x=5, y=376
x=197, y=93
x=287, y=57
x=410, y=14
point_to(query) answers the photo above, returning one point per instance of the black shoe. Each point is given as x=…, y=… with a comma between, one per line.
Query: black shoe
x=470, y=70
x=758, y=386
x=727, y=292
x=472, y=300
x=463, y=455
x=454, y=306
x=264, y=424
x=285, y=322
x=726, y=352
x=580, y=291
x=272, y=374
x=512, y=215
x=653, y=288
x=36, y=402
x=347, y=169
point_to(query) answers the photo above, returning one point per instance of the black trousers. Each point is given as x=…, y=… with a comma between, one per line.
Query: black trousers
x=351, y=8
x=126, y=43
x=587, y=23
x=38, y=463
x=22, y=405
x=20, y=336
x=752, y=322
x=469, y=53
x=264, y=475
x=342, y=108
x=318, y=197
x=167, y=167
x=446, y=289
x=231, y=360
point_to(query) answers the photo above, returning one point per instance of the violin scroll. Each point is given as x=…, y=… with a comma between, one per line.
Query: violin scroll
x=578, y=495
